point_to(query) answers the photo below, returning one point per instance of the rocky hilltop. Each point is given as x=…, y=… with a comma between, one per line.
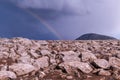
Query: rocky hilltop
x=24, y=59
x=94, y=36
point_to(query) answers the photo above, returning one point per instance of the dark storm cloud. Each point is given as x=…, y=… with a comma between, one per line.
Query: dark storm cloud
x=98, y=16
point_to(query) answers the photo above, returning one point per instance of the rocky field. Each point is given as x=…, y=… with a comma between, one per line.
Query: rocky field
x=24, y=59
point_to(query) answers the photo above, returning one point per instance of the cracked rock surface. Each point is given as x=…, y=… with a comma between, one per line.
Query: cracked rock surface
x=24, y=59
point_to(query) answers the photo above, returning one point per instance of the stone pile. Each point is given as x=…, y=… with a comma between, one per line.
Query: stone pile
x=24, y=59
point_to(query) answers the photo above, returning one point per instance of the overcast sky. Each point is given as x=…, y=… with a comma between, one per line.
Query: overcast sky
x=72, y=18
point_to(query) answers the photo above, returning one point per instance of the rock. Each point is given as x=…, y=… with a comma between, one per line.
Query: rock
x=4, y=55
x=53, y=61
x=95, y=45
x=42, y=42
x=102, y=63
x=95, y=71
x=117, y=77
x=7, y=74
x=13, y=54
x=34, y=60
x=70, y=56
x=25, y=59
x=84, y=67
x=117, y=74
x=45, y=52
x=88, y=56
x=114, y=62
x=72, y=71
x=69, y=77
x=103, y=78
x=36, y=78
x=104, y=73
x=21, y=50
x=21, y=68
x=22, y=41
x=118, y=55
x=34, y=54
x=66, y=67
x=4, y=68
x=41, y=74
x=41, y=62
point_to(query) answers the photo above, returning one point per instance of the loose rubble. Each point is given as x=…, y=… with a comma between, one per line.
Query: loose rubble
x=24, y=59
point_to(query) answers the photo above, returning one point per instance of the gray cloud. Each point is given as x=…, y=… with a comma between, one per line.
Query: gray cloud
x=69, y=6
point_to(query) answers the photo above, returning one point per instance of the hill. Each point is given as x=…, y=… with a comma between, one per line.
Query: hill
x=94, y=36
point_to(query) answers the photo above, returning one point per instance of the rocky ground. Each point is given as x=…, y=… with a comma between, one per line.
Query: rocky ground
x=24, y=59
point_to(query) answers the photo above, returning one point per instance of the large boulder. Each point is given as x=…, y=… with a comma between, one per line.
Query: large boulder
x=114, y=62
x=41, y=62
x=84, y=67
x=4, y=75
x=88, y=56
x=102, y=63
x=70, y=56
x=21, y=69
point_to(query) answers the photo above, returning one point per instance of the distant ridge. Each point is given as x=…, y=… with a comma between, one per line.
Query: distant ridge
x=94, y=36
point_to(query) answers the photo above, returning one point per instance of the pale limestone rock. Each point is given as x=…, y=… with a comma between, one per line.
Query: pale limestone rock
x=45, y=52
x=104, y=73
x=21, y=69
x=42, y=42
x=21, y=50
x=41, y=62
x=95, y=45
x=25, y=59
x=118, y=55
x=114, y=62
x=22, y=41
x=36, y=78
x=117, y=74
x=88, y=56
x=34, y=54
x=7, y=74
x=4, y=55
x=70, y=56
x=102, y=63
x=53, y=61
x=84, y=67
x=66, y=67
x=41, y=74
x=103, y=78
x=3, y=48
x=95, y=70
x=13, y=54
x=4, y=68
x=69, y=77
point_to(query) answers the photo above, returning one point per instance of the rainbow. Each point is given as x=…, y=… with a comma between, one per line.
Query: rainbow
x=45, y=23
x=48, y=26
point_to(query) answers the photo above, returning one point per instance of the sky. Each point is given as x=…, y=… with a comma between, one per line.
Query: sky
x=65, y=19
